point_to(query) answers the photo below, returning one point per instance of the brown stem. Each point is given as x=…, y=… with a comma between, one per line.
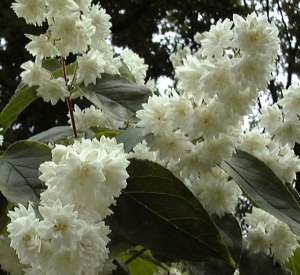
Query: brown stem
x=68, y=99
x=136, y=255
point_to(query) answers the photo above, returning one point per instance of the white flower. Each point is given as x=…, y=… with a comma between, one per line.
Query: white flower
x=72, y=33
x=210, y=120
x=270, y=117
x=101, y=20
x=253, y=70
x=24, y=233
x=283, y=242
x=189, y=75
x=153, y=116
x=172, y=145
x=258, y=240
x=255, y=35
x=9, y=260
x=90, y=67
x=180, y=113
x=61, y=8
x=53, y=90
x=34, y=74
x=217, y=39
x=216, y=193
x=34, y=12
x=288, y=132
x=60, y=225
x=291, y=101
x=41, y=46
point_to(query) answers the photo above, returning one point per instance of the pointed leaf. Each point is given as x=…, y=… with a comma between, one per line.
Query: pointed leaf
x=19, y=164
x=157, y=211
x=125, y=72
x=231, y=233
x=15, y=107
x=117, y=95
x=262, y=186
x=53, y=134
x=259, y=264
x=131, y=137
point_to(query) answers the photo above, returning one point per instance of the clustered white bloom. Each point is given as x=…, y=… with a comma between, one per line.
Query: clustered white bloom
x=283, y=123
x=200, y=125
x=76, y=27
x=269, y=235
x=83, y=180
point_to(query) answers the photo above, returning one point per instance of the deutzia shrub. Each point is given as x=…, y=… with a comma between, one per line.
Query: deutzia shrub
x=149, y=181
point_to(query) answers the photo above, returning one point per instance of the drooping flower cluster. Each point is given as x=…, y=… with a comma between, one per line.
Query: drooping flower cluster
x=83, y=180
x=269, y=235
x=200, y=124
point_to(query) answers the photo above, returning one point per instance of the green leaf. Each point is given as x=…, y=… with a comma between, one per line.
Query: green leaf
x=231, y=233
x=125, y=72
x=117, y=96
x=157, y=211
x=294, y=263
x=53, y=134
x=51, y=64
x=98, y=132
x=70, y=70
x=3, y=213
x=143, y=264
x=131, y=136
x=262, y=186
x=19, y=164
x=259, y=264
x=210, y=268
x=15, y=107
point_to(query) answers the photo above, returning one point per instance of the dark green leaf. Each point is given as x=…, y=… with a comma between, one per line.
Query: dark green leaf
x=117, y=95
x=259, y=264
x=294, y=263
x=157, y=211
x=15, y=106
x=53, y=134
x=231, y=233
x=3, y=213
x=210, y=268
x=262, y=186
x=19, y=181
x=131, y=137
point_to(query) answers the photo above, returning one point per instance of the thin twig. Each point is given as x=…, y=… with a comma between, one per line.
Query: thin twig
x=68, y=99
x=136, y=255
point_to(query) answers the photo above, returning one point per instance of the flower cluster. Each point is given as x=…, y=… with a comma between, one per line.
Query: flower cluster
x=200, y=124
x=70, y=237
x=283, y=123
x=269, y=235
